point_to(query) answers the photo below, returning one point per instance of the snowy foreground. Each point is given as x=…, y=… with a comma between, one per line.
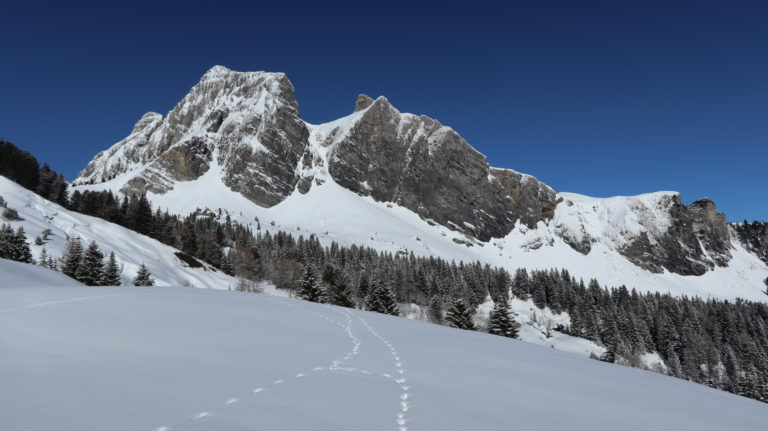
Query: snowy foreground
x=163, y=358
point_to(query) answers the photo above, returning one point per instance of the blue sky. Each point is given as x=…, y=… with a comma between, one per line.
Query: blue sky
x=600, y=98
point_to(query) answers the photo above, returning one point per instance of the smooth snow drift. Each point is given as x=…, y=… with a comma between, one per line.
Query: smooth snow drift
x=196, y=359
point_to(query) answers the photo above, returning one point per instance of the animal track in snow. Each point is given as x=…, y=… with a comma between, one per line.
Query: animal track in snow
x=335, y=365
x=404, y=395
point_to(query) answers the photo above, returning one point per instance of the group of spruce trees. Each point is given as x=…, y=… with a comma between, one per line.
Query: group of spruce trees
x=86, y=265
x=13, y=244
x=721, y=344
x=23, y=168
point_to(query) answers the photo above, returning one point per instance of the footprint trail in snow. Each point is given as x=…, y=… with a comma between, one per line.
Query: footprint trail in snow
x=336, y=365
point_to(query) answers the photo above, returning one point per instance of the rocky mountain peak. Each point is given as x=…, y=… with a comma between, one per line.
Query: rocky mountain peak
x=416, y=162
x=249, y=121
x=362, y=102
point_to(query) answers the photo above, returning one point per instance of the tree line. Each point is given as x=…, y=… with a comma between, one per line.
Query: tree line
x=722, y=344
x=23, y=168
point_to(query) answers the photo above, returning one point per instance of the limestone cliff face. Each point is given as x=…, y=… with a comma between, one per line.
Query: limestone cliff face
x=754, y=236
x=420, y=164
x=695, y=241
x=654, y=231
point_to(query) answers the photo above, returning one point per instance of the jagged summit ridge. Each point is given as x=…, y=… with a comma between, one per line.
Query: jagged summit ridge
x=249, y=124
x=248, y=121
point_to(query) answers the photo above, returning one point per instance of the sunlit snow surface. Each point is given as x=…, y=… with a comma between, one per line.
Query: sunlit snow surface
x=81, y=358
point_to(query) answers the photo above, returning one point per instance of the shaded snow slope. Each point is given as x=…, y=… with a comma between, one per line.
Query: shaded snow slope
x=131, y=248
x=194, y=359
x=16, y=274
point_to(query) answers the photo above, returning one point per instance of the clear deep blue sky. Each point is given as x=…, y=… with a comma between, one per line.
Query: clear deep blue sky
x=600, y=98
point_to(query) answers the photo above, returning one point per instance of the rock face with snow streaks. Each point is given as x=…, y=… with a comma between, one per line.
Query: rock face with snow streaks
x=249, y=121
x=420, y=164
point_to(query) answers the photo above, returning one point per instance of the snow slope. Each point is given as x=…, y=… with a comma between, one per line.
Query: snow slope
x=16, y=274
x=131, y=248
x=198, y=359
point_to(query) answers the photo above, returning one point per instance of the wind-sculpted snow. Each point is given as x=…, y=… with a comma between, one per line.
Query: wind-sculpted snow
x=175, y=359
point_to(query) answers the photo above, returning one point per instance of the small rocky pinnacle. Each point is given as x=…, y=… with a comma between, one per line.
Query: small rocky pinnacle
x=362, y=102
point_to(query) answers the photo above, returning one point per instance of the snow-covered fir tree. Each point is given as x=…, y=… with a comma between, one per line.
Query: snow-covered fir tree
x=436, y=310
x=13, y=245
x=73, y=253
x=42, y=260
x=24, y=254
x=91, y=269
x=226, y=264
x=501, y=323
x=341, y=293
x=111, y=274
x=309, y=288
x=460, y=316
x=381, y=299
x=143, y=277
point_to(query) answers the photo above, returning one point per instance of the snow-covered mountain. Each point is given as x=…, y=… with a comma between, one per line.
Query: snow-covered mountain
x=36, y=215
x=398, y=181
x=175, y=359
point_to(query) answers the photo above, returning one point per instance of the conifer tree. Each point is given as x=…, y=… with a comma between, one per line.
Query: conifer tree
x=52, y=262
x=436, y=307
x=6, y=241
x=309, y=286
x=340, y=293
x=59, y=191
x=70, y=261
x=111, y=275
x=460, y=316
x=42, y=260
x=143, y=277
x=381, y=299
x=226, y=264
x=91, y=269
x=21, y=247
x=501, y=323
x=364, y=286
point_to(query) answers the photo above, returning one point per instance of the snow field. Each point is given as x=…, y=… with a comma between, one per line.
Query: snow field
x=201, y=359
